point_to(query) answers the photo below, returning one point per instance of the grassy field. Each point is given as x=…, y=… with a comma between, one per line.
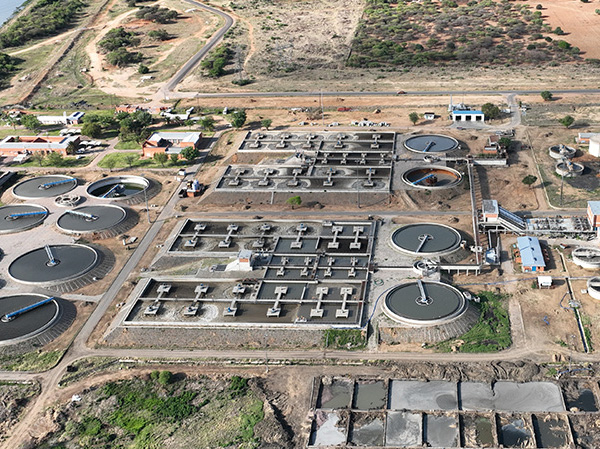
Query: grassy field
x=128, y=145
x=30, y=361
x=492, y=331
x=134, y=160
x=66, y=162
x=163, y=410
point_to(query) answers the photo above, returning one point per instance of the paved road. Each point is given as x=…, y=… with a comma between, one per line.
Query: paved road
x=167, y=89
x=373, y=93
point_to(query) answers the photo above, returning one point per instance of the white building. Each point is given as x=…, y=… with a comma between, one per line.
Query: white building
x=72, y=119
x=460, y=115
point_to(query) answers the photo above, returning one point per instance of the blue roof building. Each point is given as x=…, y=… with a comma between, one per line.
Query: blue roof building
x=532, y=257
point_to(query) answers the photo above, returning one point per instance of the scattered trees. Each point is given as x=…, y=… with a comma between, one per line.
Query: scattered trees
x=546, y=95
x=566, y=121
x=134, y=126
x=414, y=117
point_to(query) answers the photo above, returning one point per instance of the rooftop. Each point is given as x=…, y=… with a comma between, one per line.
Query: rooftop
x=531, y=252
x=594, y=207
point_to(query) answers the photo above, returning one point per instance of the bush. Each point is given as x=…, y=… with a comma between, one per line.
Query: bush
x=157, y=14
x=160, y=35
x=143, y=69
x=216, y=61
x=165, y=377
x=237, y=386
x=117, y=38
x=93, y=130
x=121, y=57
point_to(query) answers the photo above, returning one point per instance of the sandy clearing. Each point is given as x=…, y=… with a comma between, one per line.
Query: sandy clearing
x=579, y=20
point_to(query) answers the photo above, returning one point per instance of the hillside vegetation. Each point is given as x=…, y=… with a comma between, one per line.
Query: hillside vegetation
x=45, y=18
x=479, y=32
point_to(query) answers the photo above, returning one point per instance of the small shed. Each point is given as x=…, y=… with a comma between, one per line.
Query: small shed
x=544, y=281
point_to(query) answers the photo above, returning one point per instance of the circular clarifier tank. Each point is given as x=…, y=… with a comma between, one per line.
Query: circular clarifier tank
x=20, y=217
x=44, y=186
x=424, y=303
x=53, y=264
x=118, y=187
x=91, y=218
x=432, y=177
x=426, y=239
x=431, y=143
x=25, y=316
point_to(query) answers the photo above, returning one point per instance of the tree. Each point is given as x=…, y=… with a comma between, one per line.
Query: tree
x=71, y=148
x=546, y=95
x=174, y=158
x=31, y=122
x=143, y=69
x=238, y=118
x=54, y=159
x=413, y=117
x=190, y=153
x=266, y=123
x=529, y=180
x=294, y=201
x=129, y=159
x=110, y=163
x=505, y=142
x=566, y=121
x=160, y=158
x=93, y=130
x=189, y=123
x=491, y=111
x=165, y=377
x=207, y=123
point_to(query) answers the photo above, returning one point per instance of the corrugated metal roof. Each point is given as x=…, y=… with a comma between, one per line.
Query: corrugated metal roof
x=531, y=252
x=594, y=207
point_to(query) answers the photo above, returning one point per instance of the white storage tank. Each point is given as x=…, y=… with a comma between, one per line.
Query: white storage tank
x=595, y=145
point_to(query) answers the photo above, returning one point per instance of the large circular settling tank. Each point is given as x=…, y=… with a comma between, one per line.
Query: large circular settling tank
x=424, y=303
x=431, y=143
x=118, y=187
x=91, y=218
x=20, y=217
x=21, y=319
x=53, y=264
x=432, y=177
x=426, y=239
x=44, y=186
